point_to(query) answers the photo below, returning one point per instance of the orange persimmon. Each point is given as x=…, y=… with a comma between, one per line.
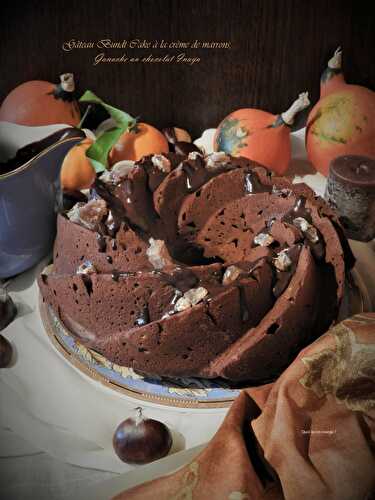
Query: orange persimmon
x=76, y=171
x=143, y=140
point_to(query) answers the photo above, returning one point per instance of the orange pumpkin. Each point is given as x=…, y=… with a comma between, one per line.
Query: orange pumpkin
x=260, y=136
x=143, y=140
x=342, y=122
x=76, y=171
x=38, y=102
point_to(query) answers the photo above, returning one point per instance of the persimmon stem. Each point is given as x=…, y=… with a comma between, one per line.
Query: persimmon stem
x=299, y=104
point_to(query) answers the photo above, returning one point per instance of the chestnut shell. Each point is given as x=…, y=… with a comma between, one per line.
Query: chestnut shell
x=6, y=352
x=184, y=148
x=143, y=442
x=8, y=312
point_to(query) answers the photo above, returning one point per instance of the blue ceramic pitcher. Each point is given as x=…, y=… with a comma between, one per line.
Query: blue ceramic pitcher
x=27, y=193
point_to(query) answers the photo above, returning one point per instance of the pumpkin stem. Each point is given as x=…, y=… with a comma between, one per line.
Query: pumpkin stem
x=332, y=76
x=65, y=89
x=67, y=82
x=299, y=104
x=336, y=59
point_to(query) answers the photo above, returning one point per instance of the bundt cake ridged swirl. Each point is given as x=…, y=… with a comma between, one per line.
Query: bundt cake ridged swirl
x=198, y=266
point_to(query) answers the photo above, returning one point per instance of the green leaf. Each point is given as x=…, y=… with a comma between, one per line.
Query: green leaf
x=121, y=118
x=99, y=150
x=98, y=166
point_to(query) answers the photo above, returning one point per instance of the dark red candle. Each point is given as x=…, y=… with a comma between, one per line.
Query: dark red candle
x=351, y=192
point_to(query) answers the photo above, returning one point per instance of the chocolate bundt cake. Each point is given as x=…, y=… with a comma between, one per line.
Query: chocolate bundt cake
x=198, y=266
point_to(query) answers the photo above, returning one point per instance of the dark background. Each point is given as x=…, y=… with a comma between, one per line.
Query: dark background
x=279, y=49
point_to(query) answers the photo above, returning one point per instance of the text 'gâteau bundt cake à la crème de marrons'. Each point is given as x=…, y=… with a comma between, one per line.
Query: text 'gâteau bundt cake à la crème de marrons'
x=203, y=266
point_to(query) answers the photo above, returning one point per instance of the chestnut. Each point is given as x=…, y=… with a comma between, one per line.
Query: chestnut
x=138, y=440
x=184, y=148
x=175, y=134
x=6, y=352
x=8, y=309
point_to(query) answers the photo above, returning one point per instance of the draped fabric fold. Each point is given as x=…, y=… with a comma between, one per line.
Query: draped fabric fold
x=310, y=435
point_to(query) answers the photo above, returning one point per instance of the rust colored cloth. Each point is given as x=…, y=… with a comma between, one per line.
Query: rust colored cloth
x=310, y=435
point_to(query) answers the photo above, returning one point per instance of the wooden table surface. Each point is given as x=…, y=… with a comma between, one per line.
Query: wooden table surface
x=278, y=49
